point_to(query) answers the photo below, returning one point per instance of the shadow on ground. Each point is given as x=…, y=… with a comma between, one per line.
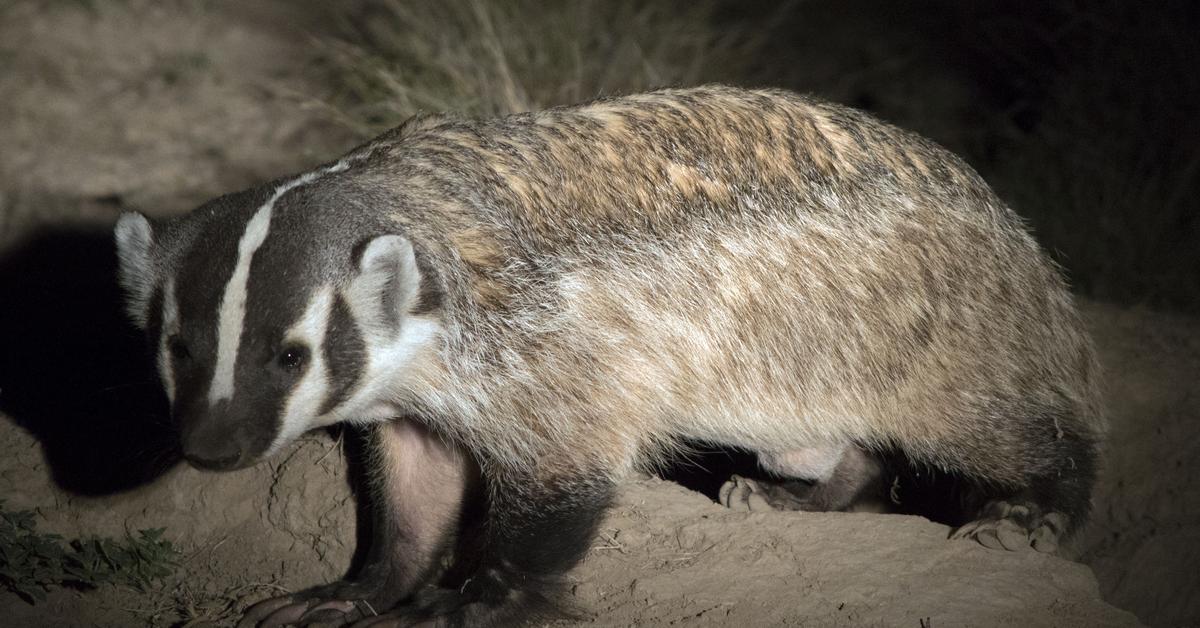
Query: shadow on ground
x=73, y=371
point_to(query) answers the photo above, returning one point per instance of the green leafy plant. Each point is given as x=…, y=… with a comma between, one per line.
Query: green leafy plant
x=32, y=562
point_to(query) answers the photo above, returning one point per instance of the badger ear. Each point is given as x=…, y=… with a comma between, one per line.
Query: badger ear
x=135, y=264
x=388, y=284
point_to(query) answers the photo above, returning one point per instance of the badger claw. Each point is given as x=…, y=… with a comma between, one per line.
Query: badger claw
x=1015, y=527
x=744, y=494
x=291, y=610
x=256, y=614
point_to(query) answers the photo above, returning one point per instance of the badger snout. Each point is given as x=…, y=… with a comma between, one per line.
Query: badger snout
x=208, y=447
x=216, y=441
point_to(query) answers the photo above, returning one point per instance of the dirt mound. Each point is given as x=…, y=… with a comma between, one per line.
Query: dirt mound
x=664, y=556
x=1144, y=540
x=670, y=557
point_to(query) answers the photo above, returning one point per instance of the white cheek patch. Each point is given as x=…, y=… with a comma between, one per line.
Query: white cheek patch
x=232, y=313
x=390, y=352
x=308, y=394
x=383, y=377
x=170, y=326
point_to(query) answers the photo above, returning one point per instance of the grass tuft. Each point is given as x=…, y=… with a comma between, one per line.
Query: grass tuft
x=396, y=59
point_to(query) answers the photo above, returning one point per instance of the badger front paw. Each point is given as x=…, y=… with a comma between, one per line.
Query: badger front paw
x=745, y=494
x=337, y=604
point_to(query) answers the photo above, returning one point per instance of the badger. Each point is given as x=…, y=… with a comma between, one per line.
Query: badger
x=539, y=304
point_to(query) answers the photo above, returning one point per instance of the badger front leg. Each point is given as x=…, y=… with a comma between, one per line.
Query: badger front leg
x=417, y=483
x=539, y=525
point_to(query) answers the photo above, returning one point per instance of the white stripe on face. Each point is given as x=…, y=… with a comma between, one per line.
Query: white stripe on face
x=233, y=302
x=170, y=325
x=309, y=393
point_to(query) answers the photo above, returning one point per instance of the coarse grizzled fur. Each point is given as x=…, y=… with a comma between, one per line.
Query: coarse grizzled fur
x=595, y=284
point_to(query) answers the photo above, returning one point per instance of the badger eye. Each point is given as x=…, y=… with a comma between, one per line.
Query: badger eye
x=293, y=357
x=178, y=348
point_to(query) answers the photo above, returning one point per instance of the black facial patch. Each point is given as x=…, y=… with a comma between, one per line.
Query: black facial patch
x=205, y=265
x=345, y=352
x=281, y=282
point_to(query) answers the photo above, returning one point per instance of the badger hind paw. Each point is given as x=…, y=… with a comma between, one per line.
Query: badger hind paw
x=1015, y=526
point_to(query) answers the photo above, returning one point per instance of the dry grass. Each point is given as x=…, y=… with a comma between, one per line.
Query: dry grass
x=398, y=58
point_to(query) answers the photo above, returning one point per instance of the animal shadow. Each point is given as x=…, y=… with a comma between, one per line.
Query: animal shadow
x=74, y=372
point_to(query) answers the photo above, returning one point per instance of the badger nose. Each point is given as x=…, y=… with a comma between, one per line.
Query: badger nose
x=209, y=436
x=210, y=446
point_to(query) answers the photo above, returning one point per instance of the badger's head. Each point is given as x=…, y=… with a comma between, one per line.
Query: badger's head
x=275, y=311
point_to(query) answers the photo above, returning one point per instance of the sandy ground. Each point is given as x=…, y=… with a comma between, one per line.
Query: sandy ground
x=156, y=106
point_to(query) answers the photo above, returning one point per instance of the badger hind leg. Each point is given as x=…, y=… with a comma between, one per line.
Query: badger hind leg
x=826, y=478
x=1053, y=457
